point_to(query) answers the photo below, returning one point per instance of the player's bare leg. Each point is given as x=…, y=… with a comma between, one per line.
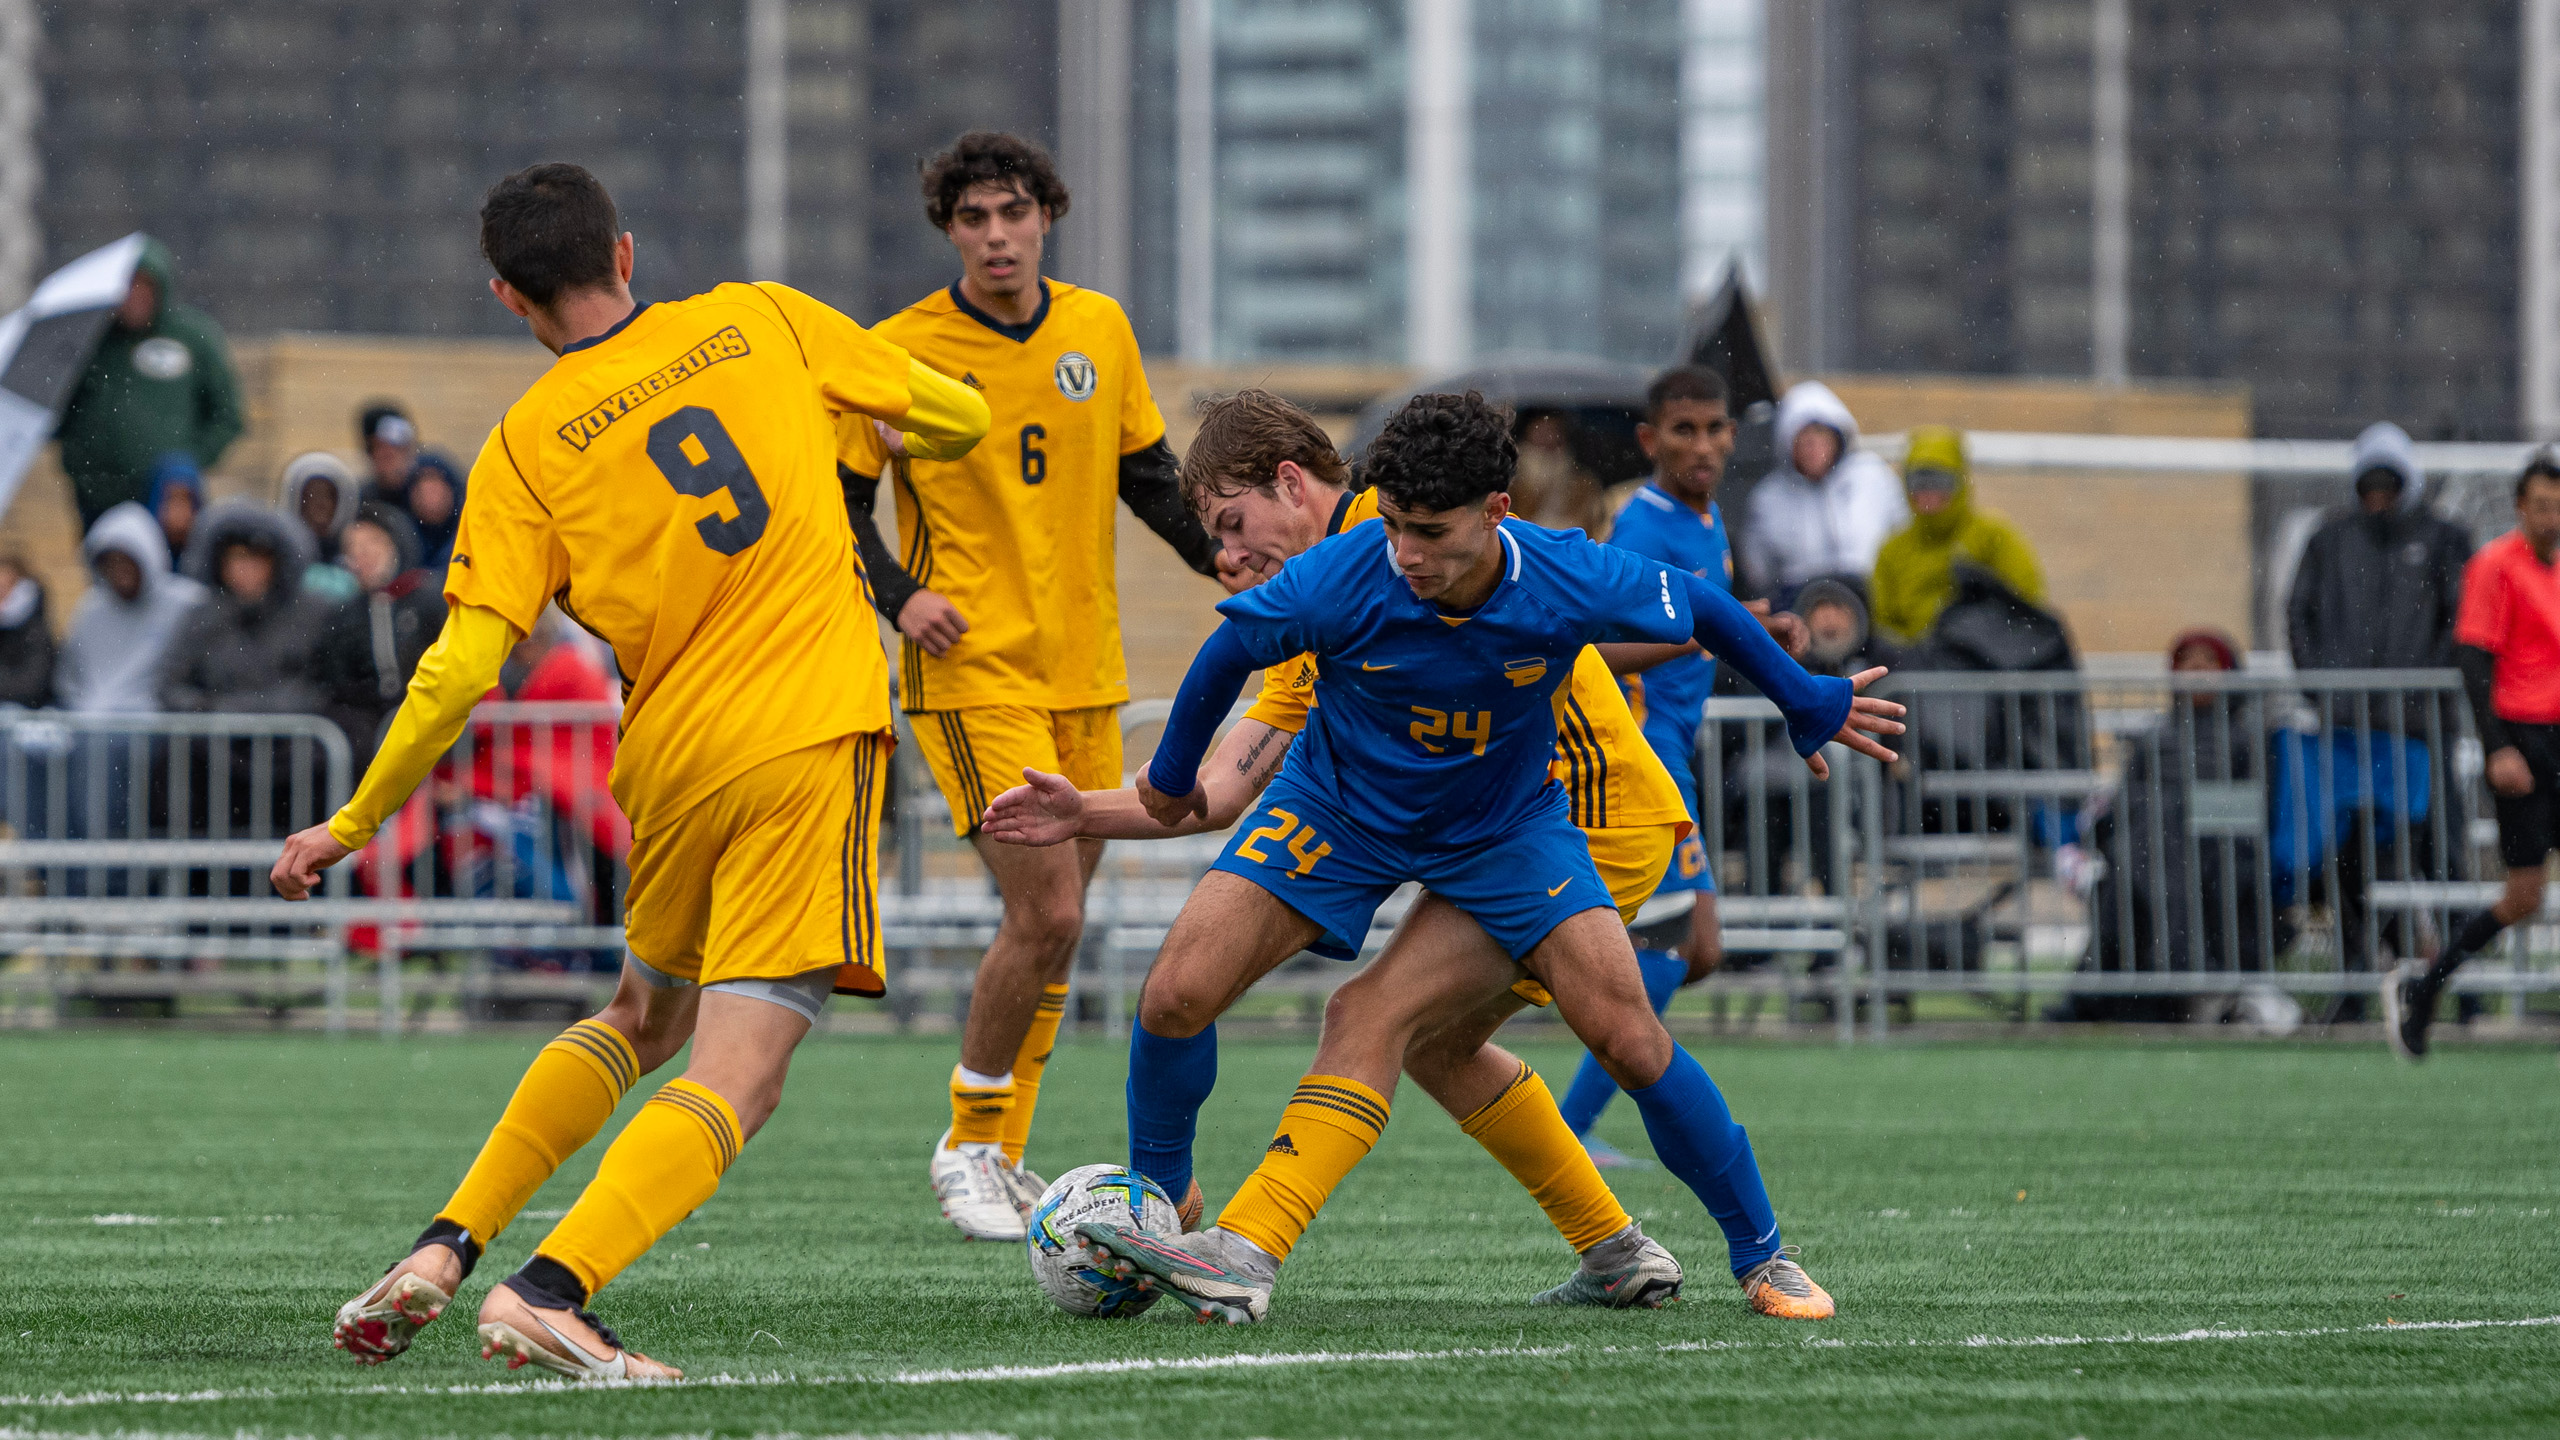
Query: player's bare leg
x=564, y=1099
x=1230, y=934
x=663, y=1166
x=1590, y=968
x=984, y=1192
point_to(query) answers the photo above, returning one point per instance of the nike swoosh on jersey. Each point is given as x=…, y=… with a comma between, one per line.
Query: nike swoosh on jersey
x=1365, y=665
x=1566, y=881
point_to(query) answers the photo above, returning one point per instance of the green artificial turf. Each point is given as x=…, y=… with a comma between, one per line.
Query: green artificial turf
x=1949, y=1196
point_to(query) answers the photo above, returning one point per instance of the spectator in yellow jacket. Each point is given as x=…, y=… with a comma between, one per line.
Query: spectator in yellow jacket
x=1915, y=571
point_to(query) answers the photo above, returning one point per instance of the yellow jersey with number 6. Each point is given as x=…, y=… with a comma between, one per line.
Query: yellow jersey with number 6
x=671, y=483
x=1020, y=534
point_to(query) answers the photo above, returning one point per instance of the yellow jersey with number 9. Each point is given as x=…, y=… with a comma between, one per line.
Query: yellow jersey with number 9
x=1020, y=533
x=671, y=483
x=1608, y=769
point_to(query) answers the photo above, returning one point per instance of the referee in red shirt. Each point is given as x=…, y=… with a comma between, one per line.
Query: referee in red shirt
x=2508, y=640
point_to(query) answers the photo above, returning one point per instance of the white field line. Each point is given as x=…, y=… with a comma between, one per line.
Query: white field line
x=1002, y=1373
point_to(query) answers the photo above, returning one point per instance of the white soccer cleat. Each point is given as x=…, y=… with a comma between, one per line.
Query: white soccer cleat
x=975, y=1186
x=1222, y=1277
x=1027, y=1188
x=379, y=1324
x=567, y=1342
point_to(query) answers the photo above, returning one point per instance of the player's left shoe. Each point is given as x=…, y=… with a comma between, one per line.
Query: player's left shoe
x=2408, y=1009
x=1027, y=1188
x=1642, y=1276
x=379, y=1324
x=1222, y=1277
x=538, y=1329
x=1779, y=1287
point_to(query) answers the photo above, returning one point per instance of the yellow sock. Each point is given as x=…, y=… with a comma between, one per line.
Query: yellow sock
x=1521, y=1128
x=978, y=1111
x=1033, y=1058
x=566, y=1095
x=660, y=1169
x=1328, y=1128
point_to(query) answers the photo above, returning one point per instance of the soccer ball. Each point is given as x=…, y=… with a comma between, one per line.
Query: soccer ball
x=1111, y=1195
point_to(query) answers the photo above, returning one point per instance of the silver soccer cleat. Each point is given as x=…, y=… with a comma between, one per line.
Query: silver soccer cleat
x=1221, y=1276
x=975, y=1186
x=1645, y=1278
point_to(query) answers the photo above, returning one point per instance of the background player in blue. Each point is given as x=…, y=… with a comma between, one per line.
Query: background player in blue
x=1442, y=634
x=1672, y=518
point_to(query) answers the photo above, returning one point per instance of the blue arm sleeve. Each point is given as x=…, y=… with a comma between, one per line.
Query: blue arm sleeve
x=1217, y=676
x=1816, y=706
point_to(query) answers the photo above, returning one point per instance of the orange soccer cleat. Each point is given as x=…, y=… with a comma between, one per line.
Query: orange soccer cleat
x=1778, y=1286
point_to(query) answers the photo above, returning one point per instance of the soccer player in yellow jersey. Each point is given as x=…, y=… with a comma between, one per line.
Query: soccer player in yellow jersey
x=1007, y=601
x=1271, y=485
x=669, y=482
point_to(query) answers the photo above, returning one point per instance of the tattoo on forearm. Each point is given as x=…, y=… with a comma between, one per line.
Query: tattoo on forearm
x=1250, y=763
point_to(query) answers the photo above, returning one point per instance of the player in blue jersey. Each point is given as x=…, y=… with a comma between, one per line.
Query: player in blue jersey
x=1672, y=518
x=1442, y=634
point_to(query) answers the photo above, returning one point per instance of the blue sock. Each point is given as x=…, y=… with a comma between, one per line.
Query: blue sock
x=1592, y=1089
x=1698, y=1141
x=1168, y=1080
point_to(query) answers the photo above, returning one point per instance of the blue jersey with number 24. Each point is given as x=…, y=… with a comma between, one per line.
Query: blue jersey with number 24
x=1433, y=730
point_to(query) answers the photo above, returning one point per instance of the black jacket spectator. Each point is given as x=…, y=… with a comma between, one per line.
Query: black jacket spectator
x=26, y=640
x=372, y=644
x=253, y=645
x=2380, y=581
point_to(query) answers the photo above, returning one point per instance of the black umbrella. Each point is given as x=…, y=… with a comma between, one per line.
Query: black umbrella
x=45, y=344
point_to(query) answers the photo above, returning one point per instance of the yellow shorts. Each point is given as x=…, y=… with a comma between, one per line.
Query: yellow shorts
x=775, y=874
x=1632, y=860
x=979, y=753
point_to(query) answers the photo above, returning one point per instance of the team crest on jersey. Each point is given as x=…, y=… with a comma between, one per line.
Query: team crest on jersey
x=1076, y=375
x=1525, y=672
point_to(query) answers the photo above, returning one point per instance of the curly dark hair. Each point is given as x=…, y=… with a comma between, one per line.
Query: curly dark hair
x=991, y=157
x=1443, y=451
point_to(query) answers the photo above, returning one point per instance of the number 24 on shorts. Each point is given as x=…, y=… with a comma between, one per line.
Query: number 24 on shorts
x=1304, y=844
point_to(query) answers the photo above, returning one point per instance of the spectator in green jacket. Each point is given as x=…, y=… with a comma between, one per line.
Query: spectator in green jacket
x=1915, y=571
x=161, y=380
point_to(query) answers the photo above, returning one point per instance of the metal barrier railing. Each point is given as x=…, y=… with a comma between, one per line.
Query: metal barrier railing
x=2120, y=844
x=2130, y=843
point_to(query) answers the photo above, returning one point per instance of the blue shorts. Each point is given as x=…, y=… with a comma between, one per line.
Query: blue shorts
x=1517, y=887
x=1689, y=868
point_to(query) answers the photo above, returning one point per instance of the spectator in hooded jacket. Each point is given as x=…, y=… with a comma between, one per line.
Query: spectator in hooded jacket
x=318, y=493
x=435, y=505
x=389, y=440
x=1915, y=570
x=253, y=647
x=26, y=641
x=2379, y=587
x=123, y=626
x=1826, y=508
x=2380, y=582
x=372, y=644
x=177, y=498
x=160, y=380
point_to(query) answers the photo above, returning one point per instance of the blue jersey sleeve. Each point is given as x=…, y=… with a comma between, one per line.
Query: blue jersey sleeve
x=1279, y=619
x=1816, y=706
x=1217, y=674
x=1624, y=597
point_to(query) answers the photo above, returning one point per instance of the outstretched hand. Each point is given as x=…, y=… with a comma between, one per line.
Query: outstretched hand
x=1170, y=810
x=1868, y=718
x=1045, y=809
x=306, y=854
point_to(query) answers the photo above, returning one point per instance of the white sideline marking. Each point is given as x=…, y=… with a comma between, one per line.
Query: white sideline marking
x=999, y=1373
